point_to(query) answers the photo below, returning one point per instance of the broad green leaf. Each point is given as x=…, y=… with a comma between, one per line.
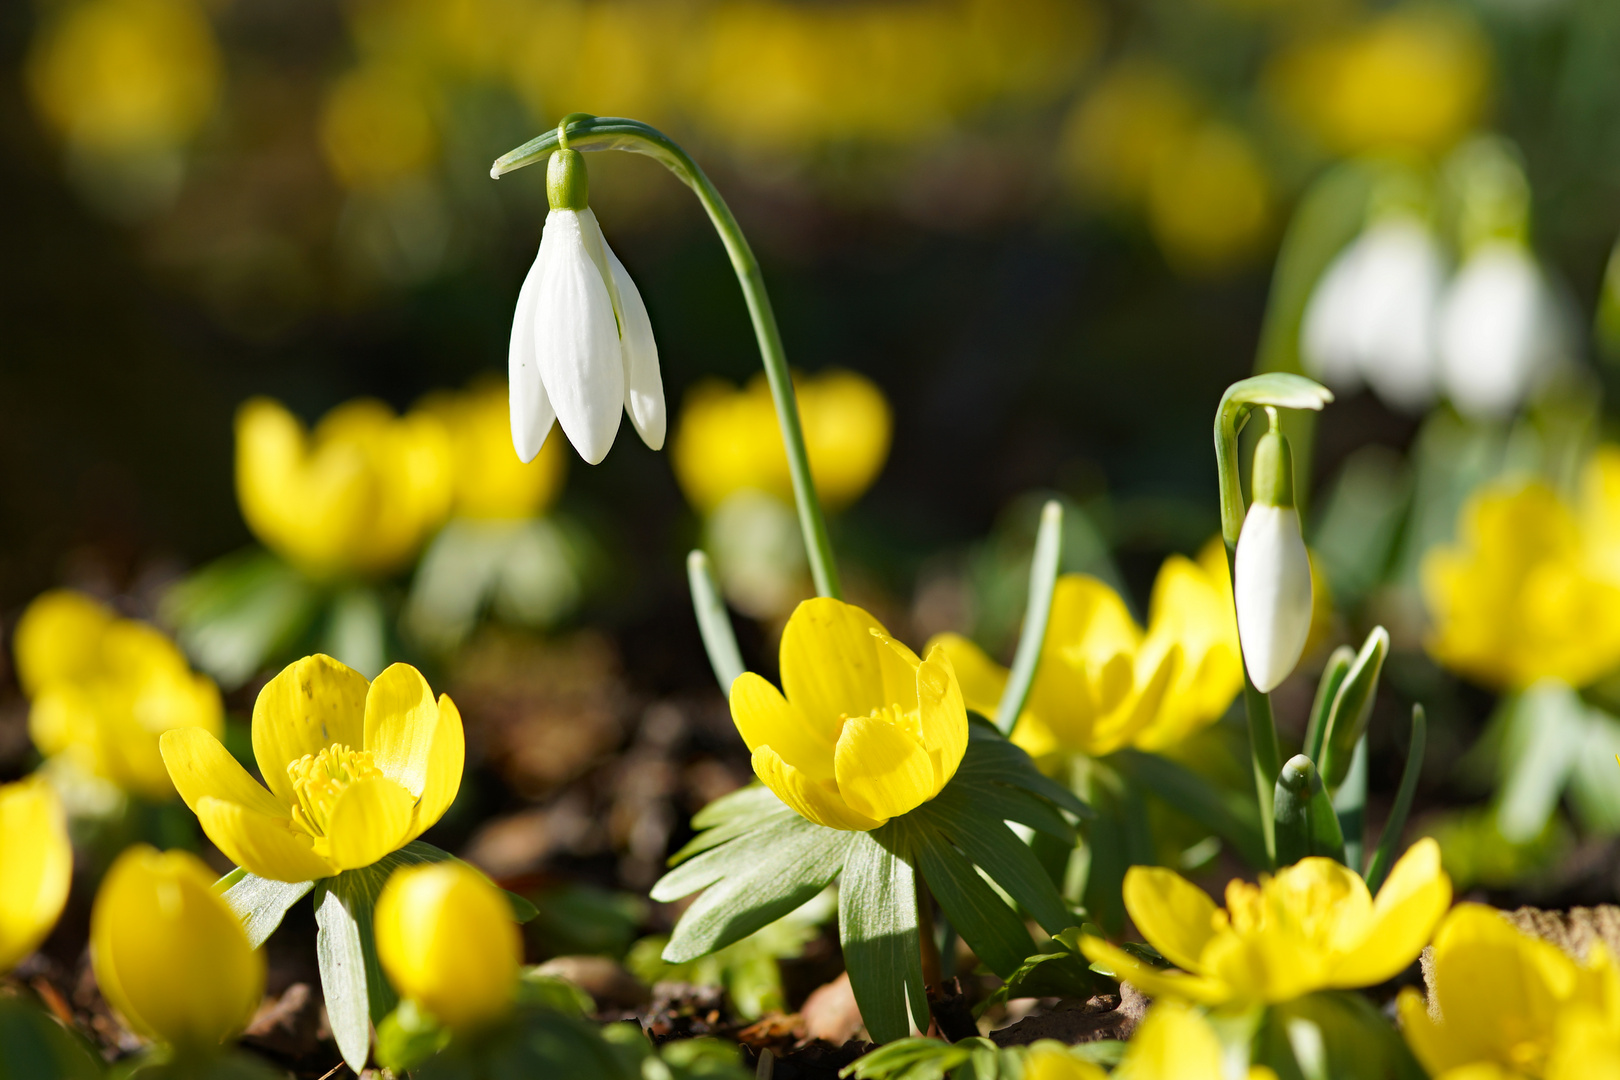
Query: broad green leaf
x=1229, y=815
x=1544, y=740
x=729, y=817
x=1059, y=970
x=261, y=903
x=237, y=613
x=994, y=932
x=988, y=842
x=1327, y=688
x=1043, y=572
x=714, y=622
x=991, y=759
x=1333, y=1035
x=34, y=1046
x=1350, y=805
x=877, y=926
x=522, y=909
x=340, y=951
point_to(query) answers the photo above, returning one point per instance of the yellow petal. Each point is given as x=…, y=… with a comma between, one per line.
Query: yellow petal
x=200, y=767
x=58, y=638
x=1154, y=982
x=1049, y=1059
x=169, y=953
x=765, y=718
x=371, y=818
x=403, y=730
x=832, y=666
x=446, y=938
x=883, y=771
x=1404, y=915
x=814, y=800
x=260, y=843
x=981, y=678
x=1176, y=916
x=1175, y=1042
x=36, y=866
x=1090, y=620
x=942, y=715
x=311, y=704
x=447, y=760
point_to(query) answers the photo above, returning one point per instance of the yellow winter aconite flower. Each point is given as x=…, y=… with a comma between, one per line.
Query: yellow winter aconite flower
x=446, y=938
x=358, y=495
x=728, y=441
x=1504, y=1004
x=377, y=126
x=1102, y=682
x=169, y=953
x=1175, y=1042
x=1526, y=592
x=1415, y=78
x=355, y=770
x=1051, y=1060
x=487, y=479
x=126, y=75
x=104, y=688
x=36, y=866
x=1311, y=926
x=1209, y=199
x=1132, y=119
x=866, y=731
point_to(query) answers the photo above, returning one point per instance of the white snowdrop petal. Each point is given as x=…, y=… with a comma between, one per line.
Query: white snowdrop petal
x=532, y=414
x=577, y=339
x=1272, y=589
x=643, y=384
x=1496, y=335
x=1392, y=332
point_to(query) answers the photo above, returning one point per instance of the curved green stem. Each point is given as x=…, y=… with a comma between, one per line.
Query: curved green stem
x=614, y=133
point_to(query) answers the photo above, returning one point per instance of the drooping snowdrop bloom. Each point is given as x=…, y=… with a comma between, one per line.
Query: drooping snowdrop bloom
x=582, y=345
x=1272, y=572
x=1371, y=318
x=1499, y=331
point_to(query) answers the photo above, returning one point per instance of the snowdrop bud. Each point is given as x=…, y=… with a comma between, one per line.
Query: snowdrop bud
x=582, y=351
x=1272, y=575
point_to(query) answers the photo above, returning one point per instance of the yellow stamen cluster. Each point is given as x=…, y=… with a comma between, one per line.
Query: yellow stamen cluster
x=318, y=780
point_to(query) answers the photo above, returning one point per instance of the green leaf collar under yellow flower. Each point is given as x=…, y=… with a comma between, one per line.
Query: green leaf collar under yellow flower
x=1312, y=926
x=355, y=770
x=866, y=731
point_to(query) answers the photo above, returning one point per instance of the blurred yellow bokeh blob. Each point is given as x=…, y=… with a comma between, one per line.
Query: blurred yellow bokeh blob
x=489, y=482
x=377, y=127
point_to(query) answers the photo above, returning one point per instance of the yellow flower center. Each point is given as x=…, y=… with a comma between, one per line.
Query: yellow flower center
x=318, y=780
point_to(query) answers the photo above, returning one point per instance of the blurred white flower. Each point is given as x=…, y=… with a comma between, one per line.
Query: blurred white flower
x=1500, y=333
x=582, y=345
x=1372, y=316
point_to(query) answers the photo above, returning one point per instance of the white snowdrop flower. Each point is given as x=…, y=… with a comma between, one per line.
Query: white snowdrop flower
x=1371, y=318
x=1271, y=577
x=1500, y=333
x=582, y=346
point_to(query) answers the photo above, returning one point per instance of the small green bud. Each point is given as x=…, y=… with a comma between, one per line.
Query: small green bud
x=1273, y=478
x=568, y=186
x=1303, y=814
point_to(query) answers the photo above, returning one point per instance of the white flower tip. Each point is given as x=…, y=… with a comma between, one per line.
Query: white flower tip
x=495, y=171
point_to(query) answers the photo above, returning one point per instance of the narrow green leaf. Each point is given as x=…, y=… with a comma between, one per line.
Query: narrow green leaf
x=991, y=759
x=991, y=928
x=1043, y=572
x=261, y=903
x=1384, y=854
x=1229, y=815
x=995, y=848
x=1338, y=666
x=750, y=882
x=523, y=910
x=1350, y=805
x=877, y=926
x=729, y=816
x=714, y=621
x=1352, y=706
x=1545, y=738
x=341, y=957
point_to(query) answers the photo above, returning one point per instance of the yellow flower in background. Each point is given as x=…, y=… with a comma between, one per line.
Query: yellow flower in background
x=866, y=731
x=355, y=771
x=1103, y=682
x=1525, y=593
x=1209, y=199
x=1175, y=1042
x=1049, y=1059
x=487, y=479
x=358, y=495
x=36, y=866
x=1505, y=1004
x=1415, y=78
x=728, y=441
x=104, y=688
x=116, y=76
x=1132, y=119
x=169, y=953
x=1312, y=926
x=446, y=938
x=377, y=126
